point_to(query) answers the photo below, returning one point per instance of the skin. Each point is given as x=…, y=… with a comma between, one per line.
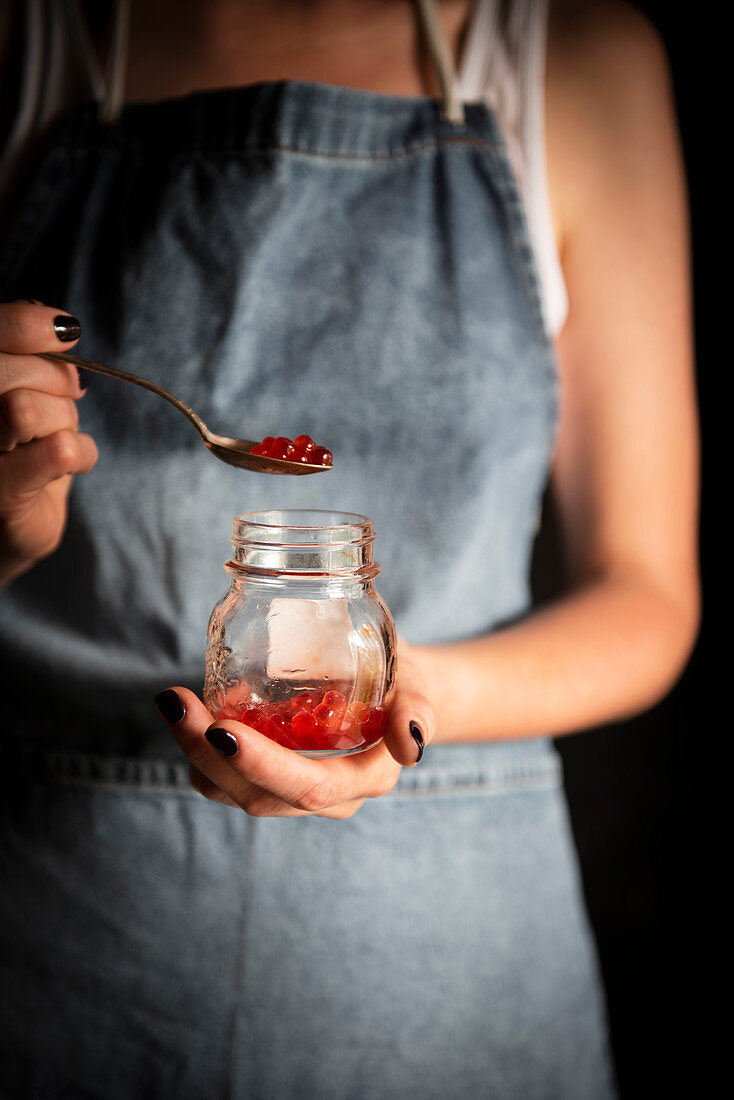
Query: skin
x=41, y=447
x=625, y=471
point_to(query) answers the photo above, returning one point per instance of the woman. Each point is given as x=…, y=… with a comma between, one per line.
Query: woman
x=316, y=245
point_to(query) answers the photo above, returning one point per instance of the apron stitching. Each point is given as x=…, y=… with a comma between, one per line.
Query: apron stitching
x=542, y=781
x=409, y=151
x=522, y=252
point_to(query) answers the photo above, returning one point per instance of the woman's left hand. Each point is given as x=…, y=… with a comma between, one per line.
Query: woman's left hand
x=234, y=764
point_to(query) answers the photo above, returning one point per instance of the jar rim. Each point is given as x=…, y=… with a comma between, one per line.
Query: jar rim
x=344, y=518
x=303, y=541
x=286, y=519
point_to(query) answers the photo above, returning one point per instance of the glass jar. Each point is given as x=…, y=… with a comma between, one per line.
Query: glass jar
x=301, y=647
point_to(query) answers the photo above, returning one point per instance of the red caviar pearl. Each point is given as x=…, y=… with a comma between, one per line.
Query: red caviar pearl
x=359, y=712
x=282, y=448
x=303, y=724
x=307, y=700
x=336, y=701
x=323, y=714
x=263, y=448
x=304, y=443
x=321, y=456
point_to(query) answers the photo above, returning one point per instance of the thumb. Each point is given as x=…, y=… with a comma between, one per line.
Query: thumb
x=27, y=328
x=411, y=723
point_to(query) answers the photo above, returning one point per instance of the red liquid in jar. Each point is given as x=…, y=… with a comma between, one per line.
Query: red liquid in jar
x=312, y=720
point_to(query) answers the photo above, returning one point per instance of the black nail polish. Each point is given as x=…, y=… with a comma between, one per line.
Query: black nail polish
x=170, y=705
x=83, y=377
x=67, y=328
x=222, y=740
x=417, y=734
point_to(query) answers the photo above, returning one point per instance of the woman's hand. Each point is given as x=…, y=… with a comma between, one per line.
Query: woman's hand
x=40, y=446
x=232, y=763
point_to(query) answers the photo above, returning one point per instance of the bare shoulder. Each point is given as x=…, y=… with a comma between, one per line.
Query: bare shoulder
x=609, y=102
x=603, y=23
x=604, y=43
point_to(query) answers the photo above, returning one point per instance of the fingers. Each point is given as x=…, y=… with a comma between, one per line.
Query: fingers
x=31, y=466
x=411, y=720
x=264, y=778
x=30, y=372
x=208, y=789
x=27, y=328
x=40, y=447
x=258, y=771
x=411, y=726
x=211, y=791
x=27, y=414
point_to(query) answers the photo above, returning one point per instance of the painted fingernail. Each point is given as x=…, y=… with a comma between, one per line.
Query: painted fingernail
x=417, y=734
x=222, y=740
x=171, y=706
x=83, y=377
x=67, y=328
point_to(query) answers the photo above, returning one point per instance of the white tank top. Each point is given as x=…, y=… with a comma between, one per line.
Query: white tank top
x=503, y=63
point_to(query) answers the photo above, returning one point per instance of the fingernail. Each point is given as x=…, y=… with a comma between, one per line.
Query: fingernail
x=222, y=740
x=67, y=328
x=171, y=706
x=83, y=377
x=417, y=734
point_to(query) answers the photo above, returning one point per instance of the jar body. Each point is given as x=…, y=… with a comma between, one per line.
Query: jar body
x=301, y=647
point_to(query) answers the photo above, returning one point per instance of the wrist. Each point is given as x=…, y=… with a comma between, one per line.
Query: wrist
x=434, y=665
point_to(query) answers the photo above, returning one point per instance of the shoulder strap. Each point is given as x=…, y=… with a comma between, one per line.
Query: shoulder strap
x=113, y=86
x=453, y=108
x=78, y=33
x=477, y=53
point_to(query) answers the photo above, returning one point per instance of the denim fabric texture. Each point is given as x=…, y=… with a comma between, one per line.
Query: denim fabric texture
x=287, y=258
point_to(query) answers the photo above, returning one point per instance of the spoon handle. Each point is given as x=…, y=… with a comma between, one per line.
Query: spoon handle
x=113, y=372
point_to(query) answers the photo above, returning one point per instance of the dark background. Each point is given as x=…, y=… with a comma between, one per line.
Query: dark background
x=639, y=790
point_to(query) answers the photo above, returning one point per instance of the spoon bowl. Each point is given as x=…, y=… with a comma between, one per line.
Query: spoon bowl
x=235, y=452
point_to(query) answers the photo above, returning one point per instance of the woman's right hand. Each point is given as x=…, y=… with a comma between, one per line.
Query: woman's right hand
x=40, y=447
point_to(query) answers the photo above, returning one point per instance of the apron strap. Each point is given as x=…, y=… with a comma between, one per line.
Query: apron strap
x=452, y=108
x=112, y=94
x=478, y=50
x=113, y=85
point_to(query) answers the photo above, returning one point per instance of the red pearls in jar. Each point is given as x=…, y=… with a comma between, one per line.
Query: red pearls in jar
x=312, y=721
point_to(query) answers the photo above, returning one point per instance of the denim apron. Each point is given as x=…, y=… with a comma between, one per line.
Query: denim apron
x=288, y=258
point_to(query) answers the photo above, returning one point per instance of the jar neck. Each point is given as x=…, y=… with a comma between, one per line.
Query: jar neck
x=267, y=585
x=303, y=545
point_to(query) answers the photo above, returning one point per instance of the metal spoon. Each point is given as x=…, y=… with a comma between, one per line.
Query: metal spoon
x=235, y=452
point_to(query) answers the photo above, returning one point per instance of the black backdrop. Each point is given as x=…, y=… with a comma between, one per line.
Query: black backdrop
x=638, y=790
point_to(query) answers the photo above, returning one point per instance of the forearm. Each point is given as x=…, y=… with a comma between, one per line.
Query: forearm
x=601, y=653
